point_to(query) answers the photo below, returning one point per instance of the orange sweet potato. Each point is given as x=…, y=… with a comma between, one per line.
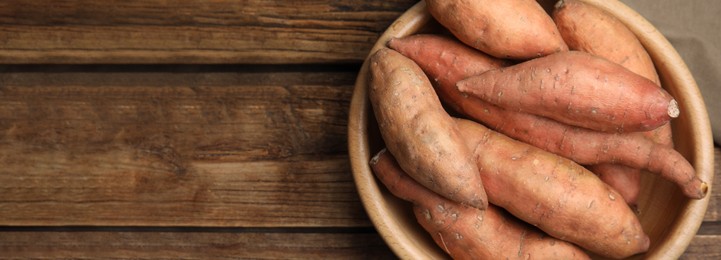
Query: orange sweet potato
x=590, y=147
x=577, y=88
x=590, y=29
x=418, y=131
x=445, y=60
x=587, y=28
x=466, y=232
x=624, y=179
x=516, y=29
x=579, y=144
x=555, y=194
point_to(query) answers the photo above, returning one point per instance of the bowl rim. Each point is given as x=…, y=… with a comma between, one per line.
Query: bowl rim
x=662, y=53
x=358, y=145
x=665, y=57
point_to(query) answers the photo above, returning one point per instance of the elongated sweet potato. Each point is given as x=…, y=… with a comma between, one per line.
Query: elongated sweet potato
x=516, y=29
x=578, y=89
x=592, y=147
x=445, y=60
x=466, y=232
x=555, y=194
x=418, y=131
x=587, y=28
x=579, y=144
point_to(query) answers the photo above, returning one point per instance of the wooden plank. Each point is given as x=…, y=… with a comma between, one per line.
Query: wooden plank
x=194, y=31
x=105, y=145
x=120, y=150
x=231, y=244
x=71, y=243
x=704, y=247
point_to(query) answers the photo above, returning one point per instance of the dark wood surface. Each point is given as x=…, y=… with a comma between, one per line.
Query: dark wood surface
x=191, y=130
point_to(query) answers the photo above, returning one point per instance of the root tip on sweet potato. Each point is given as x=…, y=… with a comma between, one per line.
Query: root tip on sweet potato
x=697, y=191
x=389, y=43
x=374, y=159
x=673, y=110
x=704, y=189
x=559, y=4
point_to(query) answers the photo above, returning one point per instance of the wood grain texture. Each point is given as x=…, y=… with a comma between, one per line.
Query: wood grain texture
x=118, y=151
x=196, y=31
x=191, y=245
x=140, y=152
x=71, y=243
x=703, y=247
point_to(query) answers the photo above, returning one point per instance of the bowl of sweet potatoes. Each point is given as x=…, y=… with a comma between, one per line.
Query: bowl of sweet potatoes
x=564, y=129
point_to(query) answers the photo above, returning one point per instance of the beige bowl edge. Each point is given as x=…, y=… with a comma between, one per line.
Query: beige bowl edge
x=701, y=145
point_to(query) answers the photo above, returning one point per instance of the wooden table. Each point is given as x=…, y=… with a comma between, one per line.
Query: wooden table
x=191, y=129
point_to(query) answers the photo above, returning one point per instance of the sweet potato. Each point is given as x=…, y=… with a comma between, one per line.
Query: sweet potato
x=590, y=147
x=445, y=60
x=418, y=131
x=590, y=29
x=466, y=232
x=578, y=89
x=555, y=194
x=627, y=180
x=587, y=28
x=624, y=179
x=579, y=144
x=516, y=29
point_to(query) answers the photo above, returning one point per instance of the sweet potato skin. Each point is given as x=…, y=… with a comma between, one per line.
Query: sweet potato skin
x=590, y=29
x=445, y=61
x=624, y=179
x=579, y=144
x=418, y=131
x=555, y=194
x=515, y=29
x=590, y=147
x=466, y=232
x=579, y=89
